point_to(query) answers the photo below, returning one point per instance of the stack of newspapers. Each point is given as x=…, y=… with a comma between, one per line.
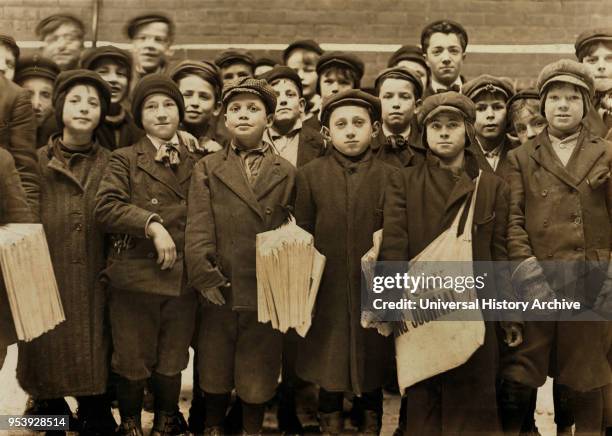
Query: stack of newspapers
x=29, y=280
x=289, y=271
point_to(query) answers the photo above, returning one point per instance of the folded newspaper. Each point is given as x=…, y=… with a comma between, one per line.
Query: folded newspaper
x=289, y=271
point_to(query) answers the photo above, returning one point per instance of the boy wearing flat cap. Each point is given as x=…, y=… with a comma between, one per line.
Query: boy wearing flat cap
x=444, y=43
x=302, y=56
x=263, y=65
x=411, y=57
x=490, y=95
x=142, y=204
x=564, y=168
x=338, y=71
x=37, y=75
x=73, y=358
x=9, y=56
x=337, y=353
x=63, y=36
x=235, y=64
x=114, y=65
x=235, y=194
x=398, y=142
x=461, y=400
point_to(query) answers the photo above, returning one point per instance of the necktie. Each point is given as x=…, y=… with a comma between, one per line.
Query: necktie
x=252, y=161
x=168, y=154
x=454, y=87
x=397, y=142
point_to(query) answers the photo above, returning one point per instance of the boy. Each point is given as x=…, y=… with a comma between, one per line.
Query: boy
x=398, y=143
x=292, y=140
x=411, y=57
x=302, y=56
x=565, y=168
x=524, y=116
x=37, y=75
x=444, y=43
x=235, y=64
x=236, y=194
x=263, y=65
x=337, y=353
x=338, y=71
x=151, y=36
x=9, y=56
x=490, y=95
x=63, y=36
x=142, y=203
x=114, y=65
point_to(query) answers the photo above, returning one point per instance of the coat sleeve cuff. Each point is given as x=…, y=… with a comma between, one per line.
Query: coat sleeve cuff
x=154, y=217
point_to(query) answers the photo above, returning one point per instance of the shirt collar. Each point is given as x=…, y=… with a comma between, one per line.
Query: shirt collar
x=568, y=140
x=158, y=142
x=265, y=145
x=274, y=134
x=435, y=85
x=491, y=153
x=405, y=134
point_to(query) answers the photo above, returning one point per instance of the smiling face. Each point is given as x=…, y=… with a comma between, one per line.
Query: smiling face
x=599, y=62
x=200, y=101
x=446, y=136
x=563, y=108
x=304, y=62
x=63, y=45
x=289, y=104
x=116, y=75
x=490, y=115
x=160, y=116
x=397, y=103
x=246, y=119
x=41, y=92
x=81, y=113
x=151, y=44
x=445, y=57
x=351, y=129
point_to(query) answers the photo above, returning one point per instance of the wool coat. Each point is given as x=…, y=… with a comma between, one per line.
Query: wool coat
x=502, y=165
x=73, y=358
x=411, y=155
x=340, y=202
x=561, y=215
x=120, y=133
x=225, y=215
x=310, y=145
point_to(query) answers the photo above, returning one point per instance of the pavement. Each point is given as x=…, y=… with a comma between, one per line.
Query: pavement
x=13, y=399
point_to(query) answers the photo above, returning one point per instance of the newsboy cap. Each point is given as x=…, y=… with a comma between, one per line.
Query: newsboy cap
x=235, y=56
x=204, y=69
x=283, y=72
x=135, y=23
x=350, y=97
x=400, y=73
x=10, y=43
x=594, y=35
x=566, y=71
x=525, y=94
x=266, y=60
x=52, y=22
x=342, y=59
x=447, y=102
x=250, y=85
x=36, y=66
x=155, y=84
x=306, y=44
x=407, y=53
x=93, y=55
x=488, y=83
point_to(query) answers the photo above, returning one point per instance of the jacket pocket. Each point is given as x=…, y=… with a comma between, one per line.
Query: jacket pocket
x=598, y=177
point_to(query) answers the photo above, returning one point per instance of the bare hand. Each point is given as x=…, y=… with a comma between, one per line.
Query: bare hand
x=166, y=249
x=514, y=334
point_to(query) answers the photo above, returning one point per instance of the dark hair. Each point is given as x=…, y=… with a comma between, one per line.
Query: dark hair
x=531, y=105
x=52, y=23
x=298, y=88
x=195, y=72
x=587, y=49
x=443, y=27
x=342, y=73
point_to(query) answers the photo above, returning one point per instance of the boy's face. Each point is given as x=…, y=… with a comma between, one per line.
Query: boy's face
x=160, y=116
x=246, y=119
x=397, y=103
x=82, y=111
x=151, y=44
x=528, y=125
x=304, y=62
x=289, y=104
x=41, y=91
x=490, y=115
x=7, y=62
x=235, y=71
x=445, y=57
x=331, y=82
x=200, y=102
x=563, y=108
x=116, y=75
x=351, y=129
x=63, y=46
x=418, y=68
x=599, y=63
x=446, y=135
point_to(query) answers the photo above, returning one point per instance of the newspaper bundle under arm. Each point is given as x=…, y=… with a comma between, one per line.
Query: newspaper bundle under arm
x=289, y=271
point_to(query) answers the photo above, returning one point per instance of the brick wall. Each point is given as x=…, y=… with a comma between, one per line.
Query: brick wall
x=341, y=21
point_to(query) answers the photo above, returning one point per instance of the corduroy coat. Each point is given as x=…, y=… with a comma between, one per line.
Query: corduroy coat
x=73, y=358
x=340, y=203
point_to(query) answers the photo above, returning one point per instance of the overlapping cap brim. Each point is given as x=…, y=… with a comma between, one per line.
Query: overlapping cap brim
x=590, y=36
x=444, y=108
x=137, y=22
x=352, y=97
x=401, y=73
x=305, y=44
x=206, y=69
x=447, y=102
x=118, y=55
x=527, y=94
x=234, y=57
x=343, y=60
x=249, y=85
x=565, y=78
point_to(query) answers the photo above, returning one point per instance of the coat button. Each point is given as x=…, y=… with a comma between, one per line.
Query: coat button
x=545, y=223
x=578, y=220
x=550, y=255
x=183, y=202
x=154, y=201
x=544, y=193
x=151, y=255
x=78, y=227
x=268, y=211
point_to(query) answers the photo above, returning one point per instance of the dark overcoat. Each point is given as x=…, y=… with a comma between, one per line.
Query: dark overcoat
x=413, y=154
x=340, y=203
x=502, y=166
x=73, y=358
x=225, y=215
x=121, y=133
x=310, y=145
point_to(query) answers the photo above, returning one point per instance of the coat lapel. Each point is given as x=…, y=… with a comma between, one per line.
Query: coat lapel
x=270, y=176
x=158, y=171
x=544, y=155
x=307, y=147
x=56, y=165
x=587, y=153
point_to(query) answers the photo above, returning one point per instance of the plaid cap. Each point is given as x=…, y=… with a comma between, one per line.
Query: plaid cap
x=306, y=44
x=350, y=97
x=93, y=55
x=235, y=56
x=36, y=66
x=135, y=23
x=9, y=41
x=401, y=73
x=447, y=102
x=283, y=72
x=342, y=59
x=250, y=85
x=41, y=27
x=407, y=53
x=593, y=35
x=488, y=83
x=566, y=71
x=204, y=69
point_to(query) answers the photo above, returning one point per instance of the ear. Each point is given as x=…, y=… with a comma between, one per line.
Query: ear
x=463, y=55
x=417, y=106
x=270, y=120
x=302, y=105
x=217, y=109
x=169, y=52
x=326, y=134
x=225, y=119
x=375, y=128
